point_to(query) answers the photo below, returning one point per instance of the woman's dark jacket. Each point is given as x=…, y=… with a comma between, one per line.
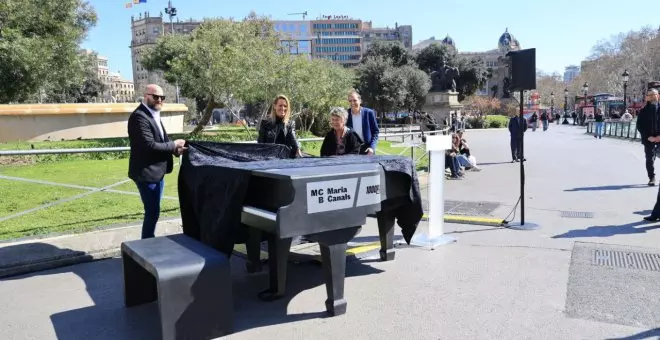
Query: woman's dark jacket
x=276, y=132
x=352, y=144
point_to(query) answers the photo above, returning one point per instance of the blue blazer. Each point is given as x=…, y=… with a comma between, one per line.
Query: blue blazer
x=370, y=129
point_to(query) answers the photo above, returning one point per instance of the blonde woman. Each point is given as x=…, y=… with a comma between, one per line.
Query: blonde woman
x=279, y=128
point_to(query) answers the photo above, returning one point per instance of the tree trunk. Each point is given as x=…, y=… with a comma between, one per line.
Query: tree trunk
x=238, y=118
x=206, y=117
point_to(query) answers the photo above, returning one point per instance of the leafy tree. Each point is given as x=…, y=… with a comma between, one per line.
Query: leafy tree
x=226, y=63
x=380, y=85
x=221, y=60
x=428, y=57
x=39, y=43
x=417, y=84
x=320, y=85
x=395, y=51
x=389, y=80
x=473, y=75
x=83, y=89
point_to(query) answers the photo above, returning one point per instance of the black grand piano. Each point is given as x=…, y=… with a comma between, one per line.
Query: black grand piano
x=325, y=199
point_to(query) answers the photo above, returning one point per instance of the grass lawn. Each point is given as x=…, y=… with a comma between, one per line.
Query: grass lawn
x=97, y=209
x=94, y=173
x=87, y=213
x=17, y=197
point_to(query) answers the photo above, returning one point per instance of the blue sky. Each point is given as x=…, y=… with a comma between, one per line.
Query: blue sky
x=562, y=31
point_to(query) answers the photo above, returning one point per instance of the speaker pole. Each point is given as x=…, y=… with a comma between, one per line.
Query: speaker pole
x=523, y=125
x=522, y=161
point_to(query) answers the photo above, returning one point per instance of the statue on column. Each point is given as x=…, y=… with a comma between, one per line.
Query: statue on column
x=451, y=75
x=438, y=76
x=443, y=78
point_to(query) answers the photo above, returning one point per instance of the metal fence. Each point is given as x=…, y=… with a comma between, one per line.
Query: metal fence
x=616, y=129
x=410, y=140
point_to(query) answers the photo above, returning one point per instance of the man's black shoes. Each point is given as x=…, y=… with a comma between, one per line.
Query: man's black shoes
x=651, y=218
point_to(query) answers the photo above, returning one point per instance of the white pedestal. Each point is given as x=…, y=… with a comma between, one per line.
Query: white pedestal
x=433, y=236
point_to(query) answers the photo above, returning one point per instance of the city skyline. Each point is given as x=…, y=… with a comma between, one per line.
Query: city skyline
x=569, y=46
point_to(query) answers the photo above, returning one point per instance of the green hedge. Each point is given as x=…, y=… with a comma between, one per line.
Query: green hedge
x=487, y=122
x=496, y=122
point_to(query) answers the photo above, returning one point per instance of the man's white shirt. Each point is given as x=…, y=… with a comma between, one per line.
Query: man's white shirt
x=357, y=123
x=156, y=115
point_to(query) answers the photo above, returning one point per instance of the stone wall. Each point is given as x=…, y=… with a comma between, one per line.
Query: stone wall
x=40, y=122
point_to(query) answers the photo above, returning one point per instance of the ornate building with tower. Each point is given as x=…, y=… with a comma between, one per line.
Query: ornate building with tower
x=494, y=60
x=145, y=30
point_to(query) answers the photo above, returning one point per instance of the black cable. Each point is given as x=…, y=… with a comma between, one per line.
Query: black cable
x=513, y=211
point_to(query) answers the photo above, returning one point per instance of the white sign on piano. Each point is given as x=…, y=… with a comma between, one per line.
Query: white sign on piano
x=369, y=191
x=340, y=194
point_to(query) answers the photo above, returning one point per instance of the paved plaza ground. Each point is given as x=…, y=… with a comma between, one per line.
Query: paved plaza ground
x=591, y=271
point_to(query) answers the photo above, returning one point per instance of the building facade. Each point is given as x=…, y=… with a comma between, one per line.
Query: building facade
x=401, y=33
x=571, y=72
x=295, y=36
x=337, y=38
x=117, y=89
x=145, y=30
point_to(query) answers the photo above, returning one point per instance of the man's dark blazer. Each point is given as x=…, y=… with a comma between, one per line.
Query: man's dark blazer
x=517, y=125
x=151, y=154
x=370, y=129
x=647, y=123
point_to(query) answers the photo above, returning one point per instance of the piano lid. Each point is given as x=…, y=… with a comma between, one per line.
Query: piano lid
x=319, y=171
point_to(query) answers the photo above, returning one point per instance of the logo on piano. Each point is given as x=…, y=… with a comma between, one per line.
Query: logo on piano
x=340, y=194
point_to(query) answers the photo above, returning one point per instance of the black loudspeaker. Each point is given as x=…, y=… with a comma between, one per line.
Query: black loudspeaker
x=522, y=69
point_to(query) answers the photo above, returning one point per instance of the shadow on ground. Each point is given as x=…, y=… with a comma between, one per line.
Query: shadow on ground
x=609, y=230
x=109, y=319
x=650, y=334
x=493, y=163
x=33, y=256
x=609, y=187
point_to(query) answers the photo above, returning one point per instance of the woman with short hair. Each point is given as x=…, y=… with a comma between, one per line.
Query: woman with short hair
x=340, y=140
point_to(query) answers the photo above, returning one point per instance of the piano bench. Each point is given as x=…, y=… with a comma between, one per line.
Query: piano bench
x=191, y=281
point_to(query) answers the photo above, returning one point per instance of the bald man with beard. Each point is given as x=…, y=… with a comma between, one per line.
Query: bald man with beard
x=151, y=155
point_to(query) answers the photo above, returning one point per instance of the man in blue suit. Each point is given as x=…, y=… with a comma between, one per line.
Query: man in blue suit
x=363, y=121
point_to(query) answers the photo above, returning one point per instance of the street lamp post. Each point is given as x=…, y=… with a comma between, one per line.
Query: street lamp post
x=585, y=87
x=626, y=77
x=552, y=105
x=565, y=122
x=171, y=12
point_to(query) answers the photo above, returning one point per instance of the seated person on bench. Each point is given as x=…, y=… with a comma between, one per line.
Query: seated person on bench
x=451, y=161
x=464, y=150
x=340, y=140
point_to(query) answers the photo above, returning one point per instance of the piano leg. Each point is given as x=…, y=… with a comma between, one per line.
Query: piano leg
x=253, y=248
x=386, y=233
x=333, y=257
x=278, y=256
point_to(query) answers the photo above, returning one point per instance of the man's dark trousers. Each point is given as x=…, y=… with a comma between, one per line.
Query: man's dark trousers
x=649, y=154
x=151, y=194
x=515, y=148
